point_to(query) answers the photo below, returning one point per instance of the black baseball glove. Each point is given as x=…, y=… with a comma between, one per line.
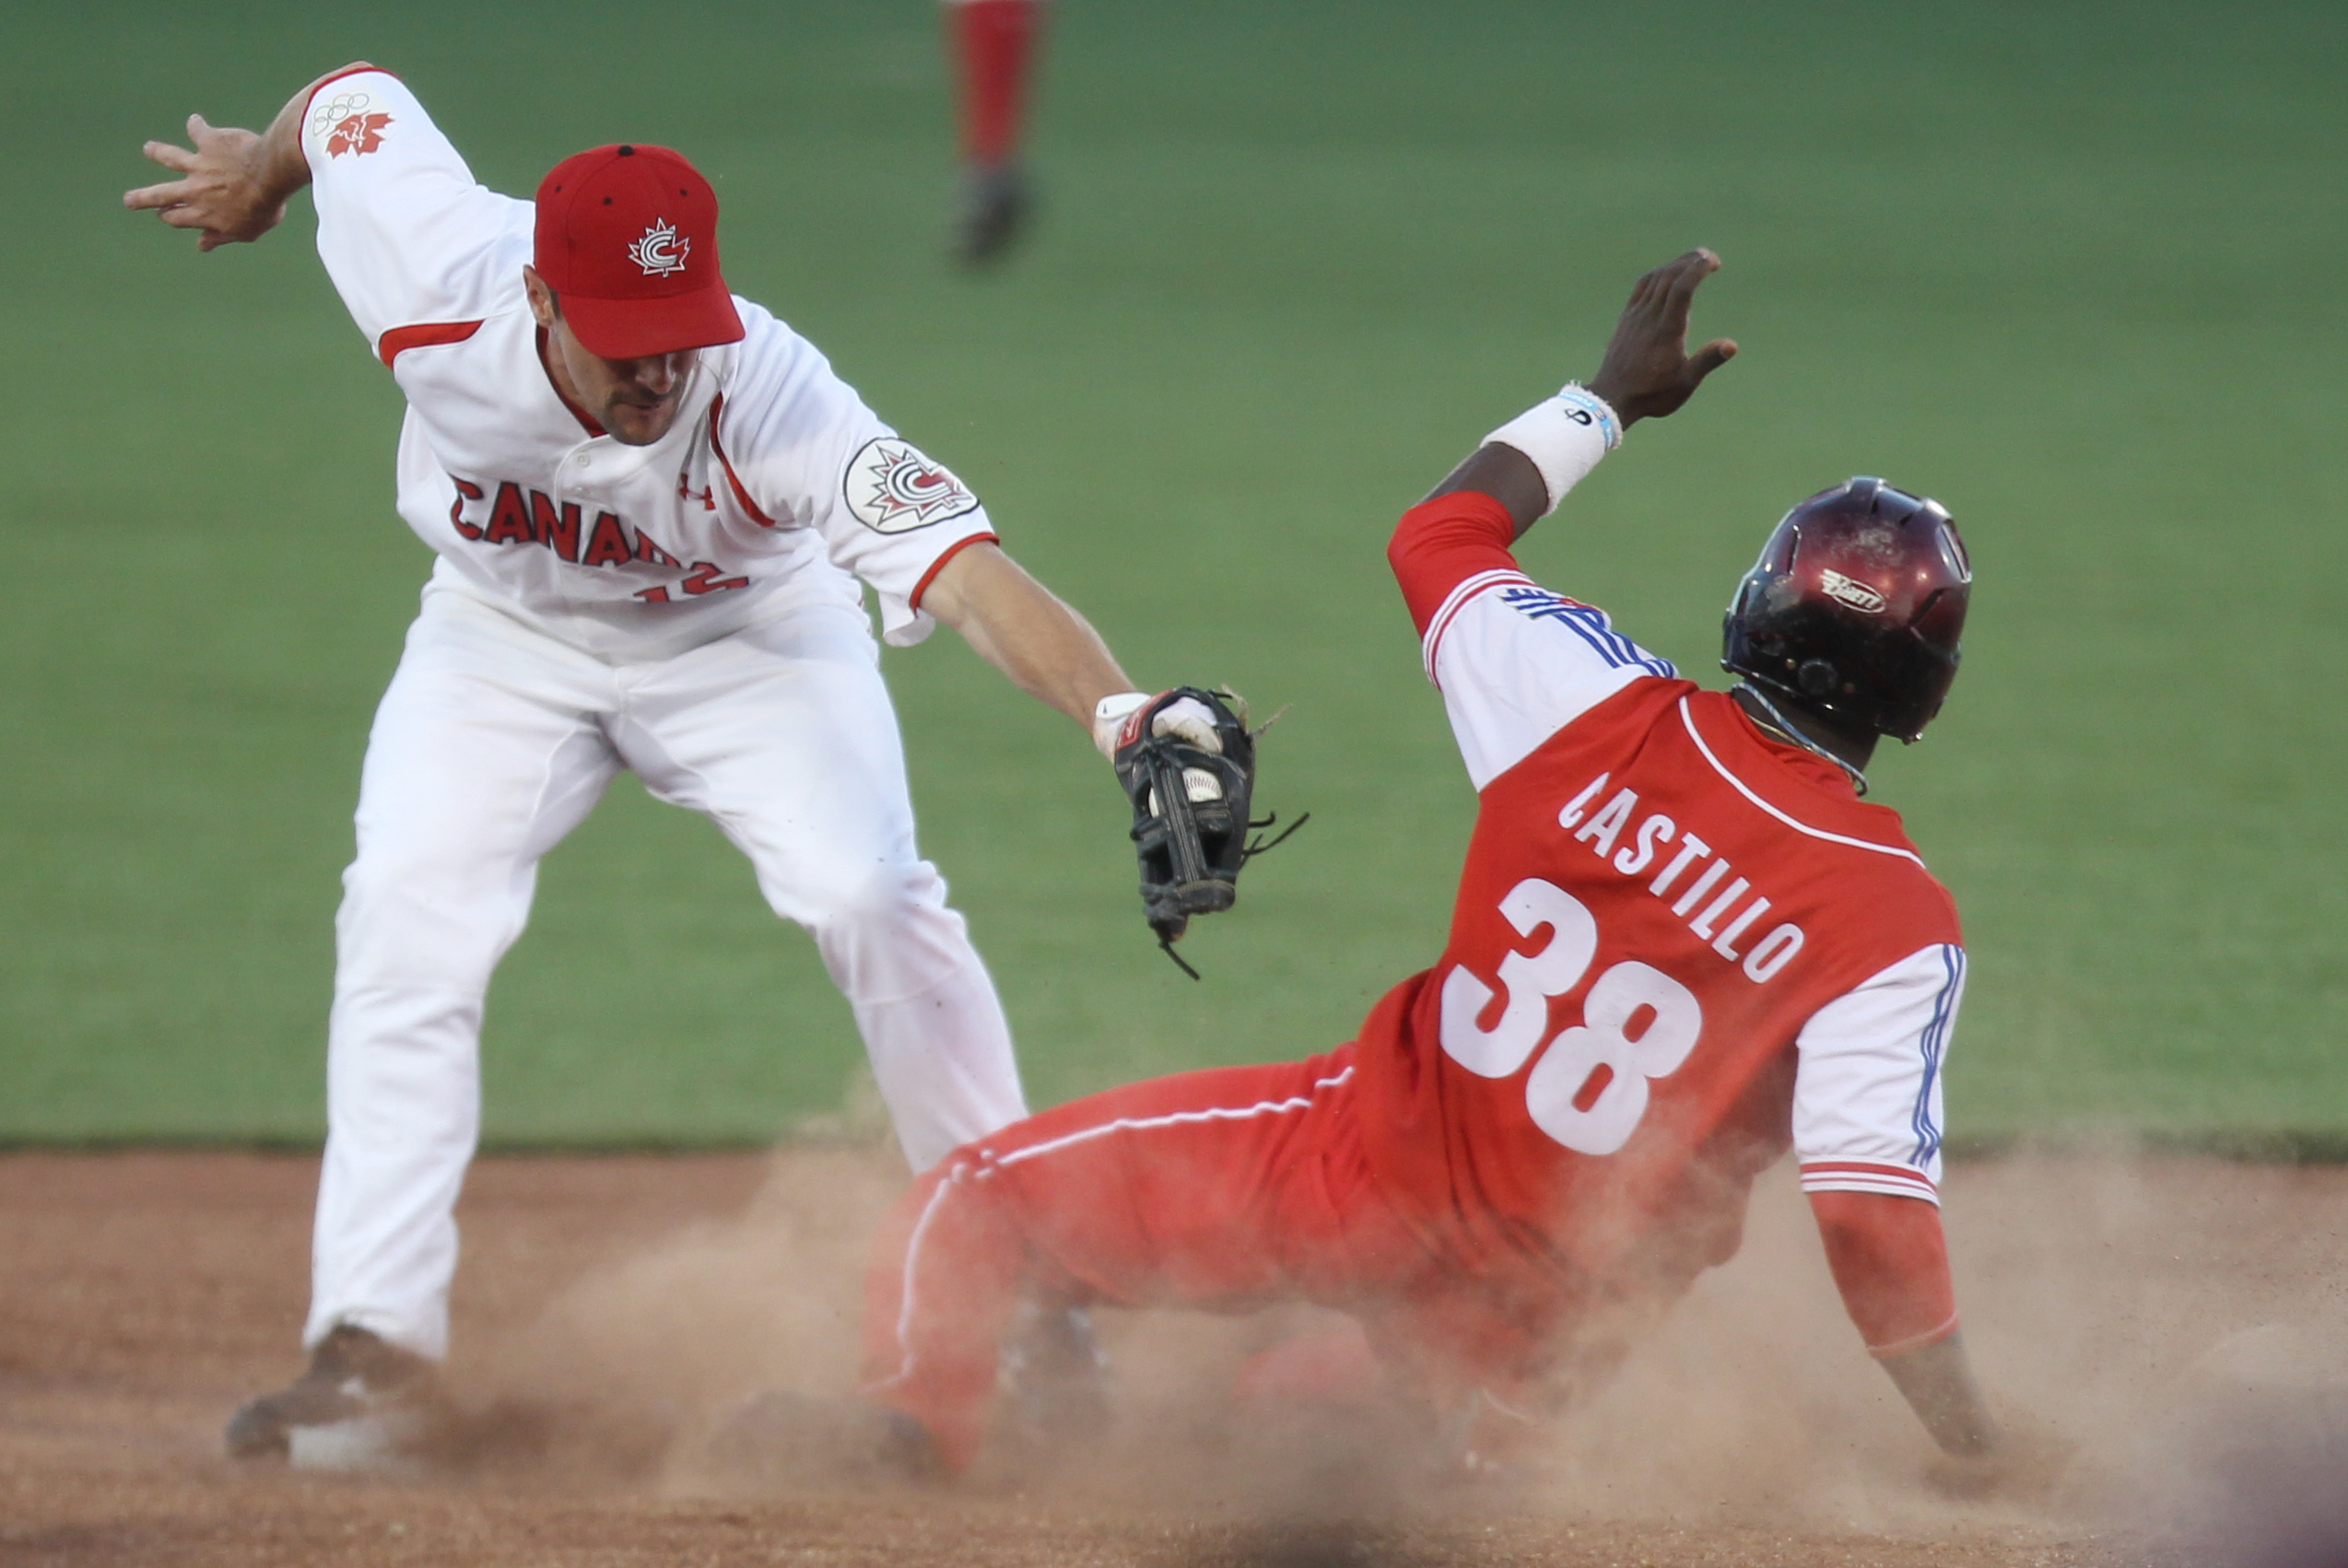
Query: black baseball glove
x=1191, y=800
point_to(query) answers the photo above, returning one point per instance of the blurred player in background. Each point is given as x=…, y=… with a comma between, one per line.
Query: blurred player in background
x=656, y=510
x=1681, y=944
x=994, y=44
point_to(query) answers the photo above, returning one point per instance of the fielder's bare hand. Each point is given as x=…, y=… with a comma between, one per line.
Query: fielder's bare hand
x=1647, y=371
x=233, y=183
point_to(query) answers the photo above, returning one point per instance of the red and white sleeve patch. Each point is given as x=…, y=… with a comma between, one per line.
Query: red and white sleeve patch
x=343, y=118
x=1860, y=1176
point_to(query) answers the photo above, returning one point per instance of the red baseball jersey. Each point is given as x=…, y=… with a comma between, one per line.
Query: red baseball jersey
x=1679, y=948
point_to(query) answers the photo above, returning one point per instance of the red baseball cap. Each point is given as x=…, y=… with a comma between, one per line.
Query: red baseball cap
x=627, y=239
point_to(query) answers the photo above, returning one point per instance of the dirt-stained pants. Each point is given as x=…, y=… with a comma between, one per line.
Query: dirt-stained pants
x=1226, y=1189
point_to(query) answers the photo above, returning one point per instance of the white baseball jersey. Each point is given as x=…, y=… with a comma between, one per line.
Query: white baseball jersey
x=773, y=486
x=689, y=610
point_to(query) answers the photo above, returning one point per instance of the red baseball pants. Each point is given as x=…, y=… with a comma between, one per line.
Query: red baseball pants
x=1225, y=1191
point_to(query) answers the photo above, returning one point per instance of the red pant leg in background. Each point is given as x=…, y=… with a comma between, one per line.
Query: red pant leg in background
x=1222, y=1189
x=994, y=44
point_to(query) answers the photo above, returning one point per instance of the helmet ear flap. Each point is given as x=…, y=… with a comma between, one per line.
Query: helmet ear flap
x=1816, y=678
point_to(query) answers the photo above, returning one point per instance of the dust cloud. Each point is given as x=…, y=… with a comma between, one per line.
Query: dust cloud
x=2166, y=1338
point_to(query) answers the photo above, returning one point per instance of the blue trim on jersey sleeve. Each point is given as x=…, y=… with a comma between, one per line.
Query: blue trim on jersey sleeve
x=1588, y=622
x=1933, y=1043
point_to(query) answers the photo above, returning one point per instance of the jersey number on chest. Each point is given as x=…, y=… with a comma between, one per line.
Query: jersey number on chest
x=1591, y=1088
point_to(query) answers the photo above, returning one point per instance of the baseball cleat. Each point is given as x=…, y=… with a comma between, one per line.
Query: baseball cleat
x=361, y=1401
x=996, y=202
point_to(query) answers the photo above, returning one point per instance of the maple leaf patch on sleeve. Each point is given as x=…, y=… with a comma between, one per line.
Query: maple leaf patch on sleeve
x=893, y=488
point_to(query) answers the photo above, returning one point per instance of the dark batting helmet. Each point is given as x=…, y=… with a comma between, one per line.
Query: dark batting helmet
x=1855, y=608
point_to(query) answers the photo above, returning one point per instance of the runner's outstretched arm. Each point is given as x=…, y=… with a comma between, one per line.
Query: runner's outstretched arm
x=1646, y=374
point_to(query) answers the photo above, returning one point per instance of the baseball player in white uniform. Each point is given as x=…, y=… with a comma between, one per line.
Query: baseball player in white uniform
x=652, y=503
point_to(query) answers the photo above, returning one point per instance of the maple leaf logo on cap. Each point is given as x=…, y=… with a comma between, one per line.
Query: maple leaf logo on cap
x=660, y=252
x=628, y=237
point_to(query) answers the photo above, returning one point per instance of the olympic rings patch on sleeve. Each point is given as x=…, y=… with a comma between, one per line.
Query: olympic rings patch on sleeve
x=892, y=488
x=345, y=123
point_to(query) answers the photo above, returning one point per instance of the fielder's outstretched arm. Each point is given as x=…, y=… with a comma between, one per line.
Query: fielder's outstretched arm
x=1048, y=650
x=1024, y=630
x=233, y=184
x=1646, y=374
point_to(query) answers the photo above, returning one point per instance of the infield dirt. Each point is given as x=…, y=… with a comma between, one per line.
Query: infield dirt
x=2175, y=1328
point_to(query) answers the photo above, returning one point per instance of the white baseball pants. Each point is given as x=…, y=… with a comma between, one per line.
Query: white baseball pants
x=493, y=741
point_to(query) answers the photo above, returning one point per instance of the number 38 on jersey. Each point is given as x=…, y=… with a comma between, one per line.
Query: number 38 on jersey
x=1638, y=1023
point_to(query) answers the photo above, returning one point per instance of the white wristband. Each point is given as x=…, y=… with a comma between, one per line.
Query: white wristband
x=1564, y=436
x=1109, y=714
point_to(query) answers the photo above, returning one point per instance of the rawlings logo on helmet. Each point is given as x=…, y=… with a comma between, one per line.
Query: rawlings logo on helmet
x=1856, y=595
x=660, y=252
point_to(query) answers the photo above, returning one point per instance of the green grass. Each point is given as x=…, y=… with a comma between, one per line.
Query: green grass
x=2070, y=269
